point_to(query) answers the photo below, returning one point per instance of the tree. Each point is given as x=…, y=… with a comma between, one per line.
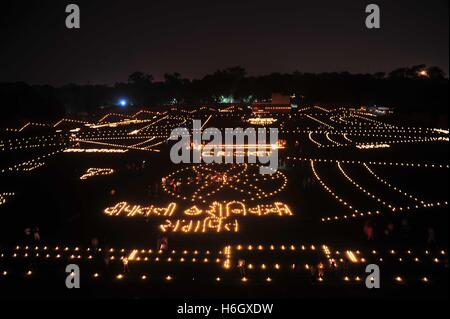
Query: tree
x=414, y=71
x=399, y=73
x=140, y=79
x=435, y=72
x=141, y=88
x=174, y=87
x=379, y=75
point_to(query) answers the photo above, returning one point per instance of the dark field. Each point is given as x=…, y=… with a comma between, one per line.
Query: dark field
x=402, y=189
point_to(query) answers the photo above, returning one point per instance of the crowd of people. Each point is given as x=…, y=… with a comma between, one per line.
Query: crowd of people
x=390, y=232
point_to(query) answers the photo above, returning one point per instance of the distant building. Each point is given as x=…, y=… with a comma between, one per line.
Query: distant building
x=281, y=99
x=279, y=104
x=378, y=110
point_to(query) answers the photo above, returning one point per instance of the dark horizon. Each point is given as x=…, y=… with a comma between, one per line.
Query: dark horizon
x=380, y=75
x=197, y=38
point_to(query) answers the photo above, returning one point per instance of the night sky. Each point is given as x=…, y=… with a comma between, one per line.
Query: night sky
x=198, y=37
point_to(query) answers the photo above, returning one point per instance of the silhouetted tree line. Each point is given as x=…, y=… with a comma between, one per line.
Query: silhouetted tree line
x=416, y=88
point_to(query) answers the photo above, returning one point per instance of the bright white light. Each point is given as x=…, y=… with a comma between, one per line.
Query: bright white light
x=122, y=102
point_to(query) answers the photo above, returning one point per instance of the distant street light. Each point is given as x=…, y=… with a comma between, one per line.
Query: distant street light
x=123, y=102
x=423, y=73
